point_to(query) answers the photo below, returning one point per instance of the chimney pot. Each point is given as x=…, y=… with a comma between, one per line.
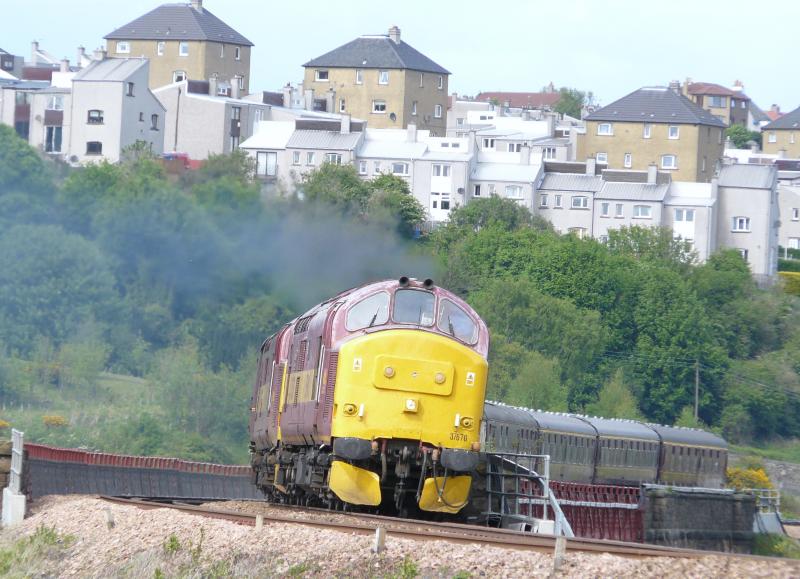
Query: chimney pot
x=675, y=86
x=591, y=165
x=213, y=86
x=394, y=34
x=34, y=50
x=652, y=173
x=64, y=65
x=345, y=127
x=197, y=5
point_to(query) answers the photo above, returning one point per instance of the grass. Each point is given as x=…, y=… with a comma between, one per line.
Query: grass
x=785, y=450
x=776, y=546
x=32, y=556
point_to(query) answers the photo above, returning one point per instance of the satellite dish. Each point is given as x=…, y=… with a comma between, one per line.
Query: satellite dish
x=392, y=117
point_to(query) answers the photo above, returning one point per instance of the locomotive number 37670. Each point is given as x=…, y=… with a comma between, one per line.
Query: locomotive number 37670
x=460, y=436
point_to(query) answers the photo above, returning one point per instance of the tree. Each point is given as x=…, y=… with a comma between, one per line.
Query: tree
x=391, y=201
x=85, y=189
x=21, y=168
x=653, y=244
x=538, y=385
x=615, y=400
x=571, y=101
x=338, y=186
x=741, y=136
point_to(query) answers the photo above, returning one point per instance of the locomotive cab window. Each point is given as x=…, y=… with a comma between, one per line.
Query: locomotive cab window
x=413, y=307
x=371, y=311
x=455, y=321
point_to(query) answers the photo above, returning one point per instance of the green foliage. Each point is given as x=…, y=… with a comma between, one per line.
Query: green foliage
x=652, y=244
x=538, y=385
x=792, y=265
x=391, y=202
x=615, y=400
x=791, y=282
x=172, y=544
x=32, y=555
x=21, y=168
x=338, y=186
x=772, y=545
x=571, y=101
x=686, y=419
x=741, y=136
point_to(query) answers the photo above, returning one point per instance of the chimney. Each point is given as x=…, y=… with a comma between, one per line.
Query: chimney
x=330, y=100
x=411, y=133
x=99, y=54
x=525, y=155
x=652, y=174
x=235, y=90
x=213, y=86
x=754, y=146
x=287, y=96
x=394, y=34
x=675, y=86
x=775, y=109
x=551, y=124
x=345, y=128
x=81, y=56
x=64, y=65
x=34, y=50
x=471, y=142
x=591, y=165
x=308, y=97
x=197, y=5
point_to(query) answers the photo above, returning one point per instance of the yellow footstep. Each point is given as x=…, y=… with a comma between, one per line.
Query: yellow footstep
x=454, y=494
x=355, y=485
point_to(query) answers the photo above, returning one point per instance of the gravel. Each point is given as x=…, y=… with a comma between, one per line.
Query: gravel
x=160, y=541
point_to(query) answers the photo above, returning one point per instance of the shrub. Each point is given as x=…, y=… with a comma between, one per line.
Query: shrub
x=791, y=282
x=789, y=265
x=747, y=478
x=54, y=421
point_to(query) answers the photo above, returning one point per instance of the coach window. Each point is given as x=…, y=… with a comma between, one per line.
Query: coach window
x=371, y=311
x=455, y=321
x=413, y=307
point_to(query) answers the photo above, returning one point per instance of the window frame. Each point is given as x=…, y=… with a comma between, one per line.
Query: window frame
x=183, y=48
x=627, y=161
x=441, y=170
x=420, y=322
x=437, y=111
x=673, y=165
x=130, y=89
x=740, y=220
x=772, y=137
x=359, y=76
x=318, y=75
x=360, y=302
x=178, y=73
x=517, y=189
x=376, y=103
x=642, y=211
x=557, y=202
x=383, y=77
x=677, y=132
x=98, y=118
x=99, y=150
x=237, y=53
x=333, y=158
x=154, y=122
x=605, y=208
x=296, y=156
x=122, y=47
x=441, y=82
x=160, y=48
x=605, y=133
x=601, y=158
x=543, y=199
x=311, y=158
x=403, y=166
x=476, y=190
x=647, y=131
x=582, y=202
x=362, y=167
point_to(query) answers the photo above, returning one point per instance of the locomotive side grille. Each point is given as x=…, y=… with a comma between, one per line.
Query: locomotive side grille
x=302, y=324
x=330, y=381
x=277, y=378
x=299, y=367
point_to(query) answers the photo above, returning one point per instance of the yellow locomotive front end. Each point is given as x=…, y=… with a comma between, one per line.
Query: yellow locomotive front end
x=408, y=404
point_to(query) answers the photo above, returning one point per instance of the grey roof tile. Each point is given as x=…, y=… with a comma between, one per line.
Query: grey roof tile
x=788, y=121
x=326, y=140
x=377, y=52
x=747, y=176
x=633, y=191
x=571, y=182
x=178, y=22
x=655, y=105
x=110, y=69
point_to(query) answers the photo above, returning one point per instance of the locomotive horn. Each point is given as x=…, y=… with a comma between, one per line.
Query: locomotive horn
x=428, y=283
x=403, y=281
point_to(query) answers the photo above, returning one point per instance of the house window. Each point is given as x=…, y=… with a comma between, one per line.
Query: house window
x=514, y=191
x=642, y=211
x=183, y=48
x=514, y=147
x=604, y=208
x=619, y=210
x=141, y=117
x=383, y=77
x=441, y=170
x=379, y=106
x=549, y=153
x=266, y=163
x=602, y=158
x=321, y=75
x=94, y=148
x=95, y=117
x=399, y=168
x=129, y=89
x=179, y=76
x=222, y=51
x=237, y=53
x=359, y=76
x=437, y=111
x=236, y=113
x=488, y=143
x=241, y=82
x=744, y=253
x=648, y=131
x=295, y=157
x=333, y=158
x=310, y=158
x=376, y=167
x=579, y=231
x=580, y=202
x=605, y=129
x=421, y=79
x=741, y=224
x=558, y=201
x=160, y=48
x=362, y=167
x=441, y=82
x=234, y=142
x=795, y=214
x=476, y=191
x=543, y=200
x=342, y=106
x=674, y=132
x=55, y=103
x=791, y=138
x=414, y=108
x=123, y=47
x=669, y=162
x=772, y=138
x=52, y=139
x=153, y=122
x=684, y=215
x=628, y=160
x=716, y=101
x=445, y=202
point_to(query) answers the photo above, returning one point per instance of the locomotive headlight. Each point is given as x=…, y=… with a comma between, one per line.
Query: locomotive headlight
x=467, y=422
x=439, y=378
x=411, y=405
x=388, y=372
x=349, y=409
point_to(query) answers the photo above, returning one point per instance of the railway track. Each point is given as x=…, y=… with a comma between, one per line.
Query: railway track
x=366, y=524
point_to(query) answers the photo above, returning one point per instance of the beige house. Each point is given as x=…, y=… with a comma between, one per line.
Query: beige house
x=383, y=80
x=185, y=41
x=654, y=125
x=782, y=136
x=730, y=106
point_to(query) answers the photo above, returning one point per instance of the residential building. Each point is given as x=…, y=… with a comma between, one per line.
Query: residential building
x=15, y=103
x=383, y=80
x=112, y=108
x=185, y=41
x=730, y=106
x=512, y=175
x=543, y=101
x=654, y=125
x=782, y=136
x=774, y=112
x=789, y=203
x=50, y=120
x=200, y=122
x=566, y=197
x=690, y=210
x=10, y=65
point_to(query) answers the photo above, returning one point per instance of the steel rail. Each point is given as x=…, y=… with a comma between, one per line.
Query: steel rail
x=428, y=530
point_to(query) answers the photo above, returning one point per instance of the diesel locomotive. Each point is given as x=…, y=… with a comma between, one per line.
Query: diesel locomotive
x=374, y=397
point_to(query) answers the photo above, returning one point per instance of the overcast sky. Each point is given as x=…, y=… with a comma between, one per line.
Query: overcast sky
x=609, y=47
